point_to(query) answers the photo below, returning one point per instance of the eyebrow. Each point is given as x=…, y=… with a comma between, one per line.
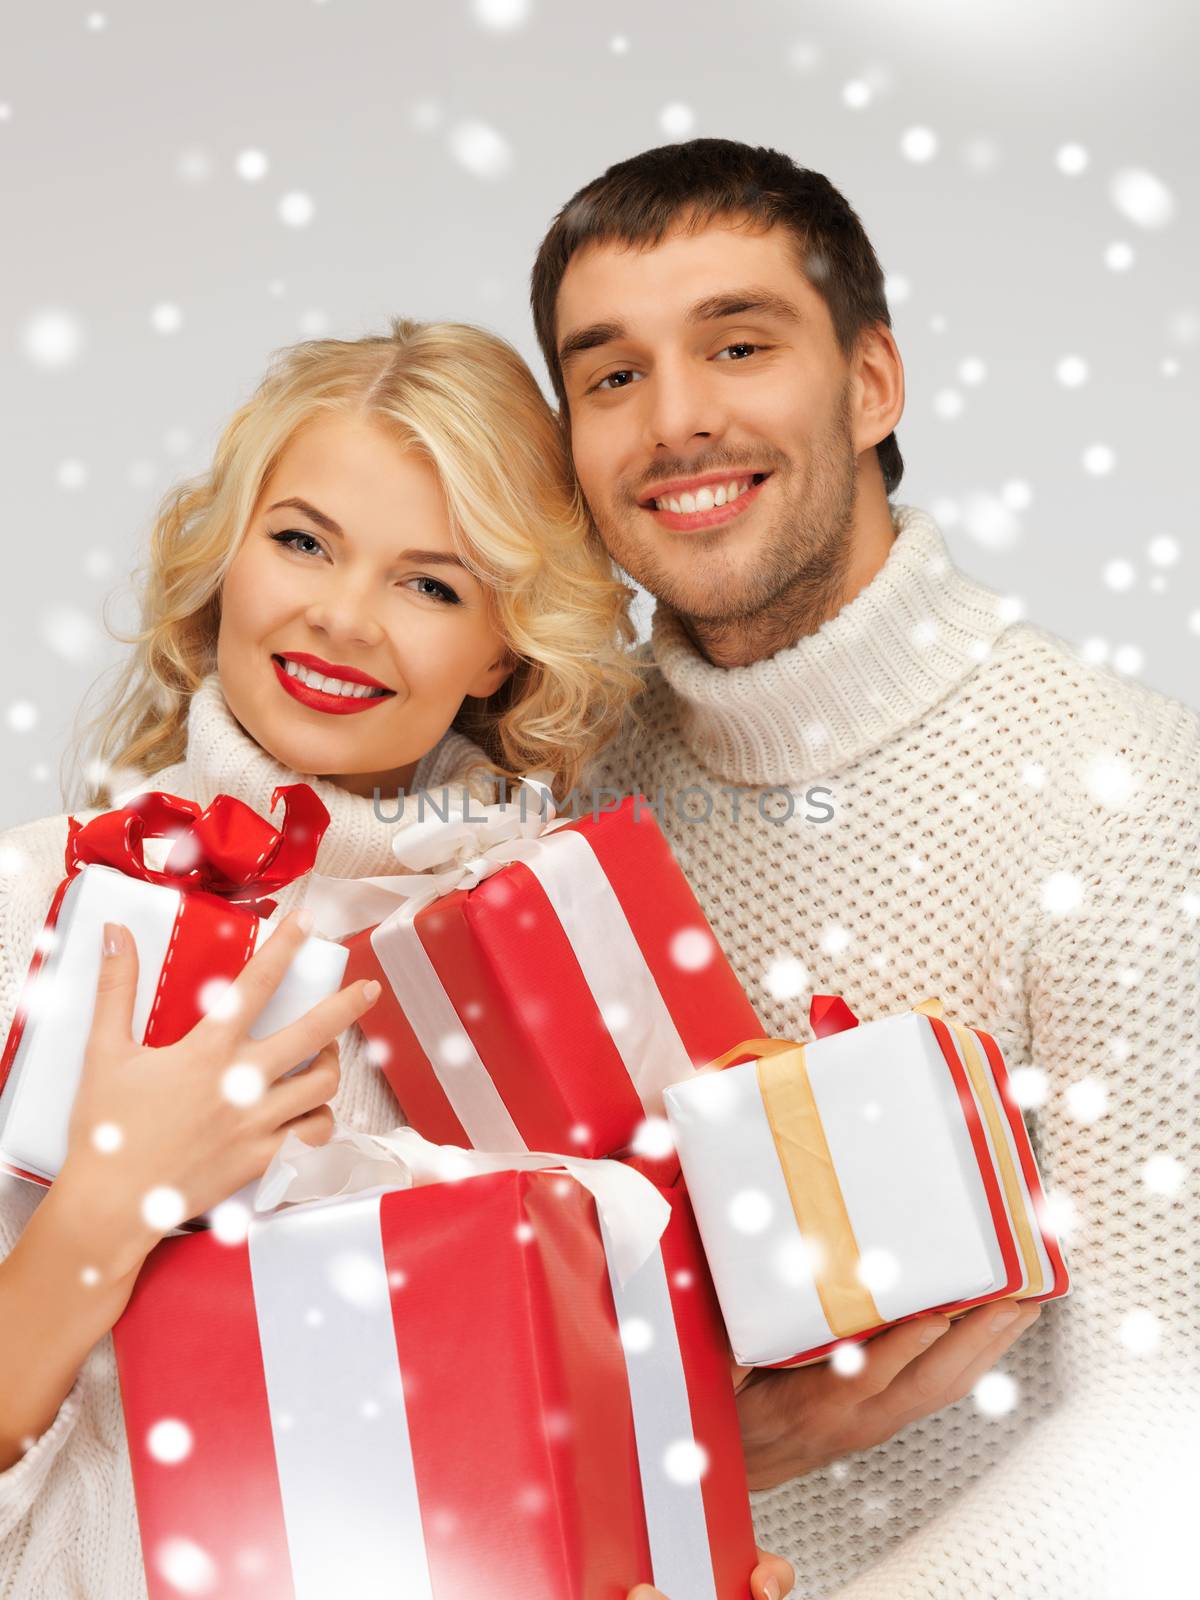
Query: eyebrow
x=713, y=308
x=429, y=558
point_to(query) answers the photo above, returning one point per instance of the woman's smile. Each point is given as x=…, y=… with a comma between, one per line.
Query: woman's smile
x=324, y=687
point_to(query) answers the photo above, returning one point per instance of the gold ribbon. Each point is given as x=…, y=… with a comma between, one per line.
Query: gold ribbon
x=812, y=1182
x=986, y=1092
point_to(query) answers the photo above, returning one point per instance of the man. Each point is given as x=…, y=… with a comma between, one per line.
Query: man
x=1012, y=830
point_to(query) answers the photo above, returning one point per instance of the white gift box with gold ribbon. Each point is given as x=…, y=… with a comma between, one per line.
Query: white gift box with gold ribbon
x=840, y=1186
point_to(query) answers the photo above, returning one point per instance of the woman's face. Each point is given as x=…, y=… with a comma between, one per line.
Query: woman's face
x=348, y=571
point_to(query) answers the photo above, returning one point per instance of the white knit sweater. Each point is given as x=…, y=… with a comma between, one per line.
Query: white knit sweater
x=68, y=1527
x=1017, y=832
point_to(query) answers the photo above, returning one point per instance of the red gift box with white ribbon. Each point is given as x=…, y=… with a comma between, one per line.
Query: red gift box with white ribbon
x=195, y=919
x=543, y=980
x=493, y=1384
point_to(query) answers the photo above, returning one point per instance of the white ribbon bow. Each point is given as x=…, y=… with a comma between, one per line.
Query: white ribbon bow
x=349, y=1164
x=457, y=852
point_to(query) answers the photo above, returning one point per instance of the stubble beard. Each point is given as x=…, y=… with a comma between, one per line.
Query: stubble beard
x=797, y=578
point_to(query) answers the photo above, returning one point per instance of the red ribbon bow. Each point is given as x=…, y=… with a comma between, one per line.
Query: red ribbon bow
x=225, y=849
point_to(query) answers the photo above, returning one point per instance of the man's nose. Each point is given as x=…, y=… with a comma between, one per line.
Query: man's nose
x=682, y=412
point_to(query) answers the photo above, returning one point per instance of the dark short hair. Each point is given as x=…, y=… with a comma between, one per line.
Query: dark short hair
x=637, y=201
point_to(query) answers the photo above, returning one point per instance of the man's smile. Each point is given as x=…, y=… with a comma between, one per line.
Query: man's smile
x=704, y=501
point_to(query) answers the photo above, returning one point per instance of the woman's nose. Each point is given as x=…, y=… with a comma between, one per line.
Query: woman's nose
x=344, y=619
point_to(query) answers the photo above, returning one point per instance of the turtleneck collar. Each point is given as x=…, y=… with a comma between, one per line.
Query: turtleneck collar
x=222, y=758
x=904, y=642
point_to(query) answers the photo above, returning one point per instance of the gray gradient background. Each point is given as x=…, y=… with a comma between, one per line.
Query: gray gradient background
x=119, y=133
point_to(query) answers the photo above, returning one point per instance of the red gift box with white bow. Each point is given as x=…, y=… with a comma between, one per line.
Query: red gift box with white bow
x=543, y=980
x=195, y=919
x=436, y=1391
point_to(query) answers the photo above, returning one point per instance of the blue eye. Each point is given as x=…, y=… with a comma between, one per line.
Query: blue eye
x=286, y=538
x=442, y=592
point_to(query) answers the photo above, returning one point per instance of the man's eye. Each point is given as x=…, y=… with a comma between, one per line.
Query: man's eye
x=620, y=379
x=297, y=533
x=742, y=348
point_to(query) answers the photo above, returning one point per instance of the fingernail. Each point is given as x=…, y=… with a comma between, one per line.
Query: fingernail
x=304, y=920
x=932, y=1331
x=112, y=939
x=371, y=989
x=1006, y=1316
x=771, y=1590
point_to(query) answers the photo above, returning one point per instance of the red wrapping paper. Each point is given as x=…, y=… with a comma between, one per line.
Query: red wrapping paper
x=519, y=993
x=513, y=1374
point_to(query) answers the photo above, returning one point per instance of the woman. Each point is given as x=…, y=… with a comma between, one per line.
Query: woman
x=386, y=581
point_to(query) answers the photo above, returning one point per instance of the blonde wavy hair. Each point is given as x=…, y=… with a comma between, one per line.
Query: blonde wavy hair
x=467, y=401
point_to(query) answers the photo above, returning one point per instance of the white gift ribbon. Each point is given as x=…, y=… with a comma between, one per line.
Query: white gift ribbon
x=466, y=850
x=330, y=1197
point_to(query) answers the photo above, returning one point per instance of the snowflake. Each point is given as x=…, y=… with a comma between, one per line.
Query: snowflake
x=230, y=1221
x=166, y=317
x=71, y=474
x=847, y=1360
x=750, y=1211
x=21, y=716
x=948, y=404
x=169, y=1440
x=53, y=339
x=919, y=144
x=856, y=94
x=1087, y=1100
x=1071, y=159
x=297, y=209
x=1140, y=1332
x=637, y=1335
x=1099, y=460
x=1163, y=551
x=480, y=149
x=971, y=371
x=692, y=949
x=1163, y=1174
x=677, y=120
x=1118, y=256
x=1072, y=372
x=995, y=1394
x=653, y=1138
x=251, y=165
x=1142, y=198
x=107, y=1137
x=186, y=1566
x=878, y=1270
x=163, y=1208
x=685, y=1461
x=1119, y=574
x=501, y=15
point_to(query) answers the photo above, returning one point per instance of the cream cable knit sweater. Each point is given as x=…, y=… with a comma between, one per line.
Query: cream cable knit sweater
x=68, y=1526
x=1016, y=832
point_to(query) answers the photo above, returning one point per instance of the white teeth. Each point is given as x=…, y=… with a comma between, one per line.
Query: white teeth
x=338, y=686
x=704, y=499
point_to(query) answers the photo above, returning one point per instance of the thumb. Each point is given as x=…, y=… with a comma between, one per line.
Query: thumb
x=116, y=987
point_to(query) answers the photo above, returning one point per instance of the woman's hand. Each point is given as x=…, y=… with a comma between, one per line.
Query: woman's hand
x=771, y=1579
x=177, y=1119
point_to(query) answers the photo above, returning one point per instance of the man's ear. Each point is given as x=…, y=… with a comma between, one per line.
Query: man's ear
x=877, y=387
x=486, y=683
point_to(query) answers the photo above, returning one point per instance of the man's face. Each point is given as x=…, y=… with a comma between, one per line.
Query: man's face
x=711, y=415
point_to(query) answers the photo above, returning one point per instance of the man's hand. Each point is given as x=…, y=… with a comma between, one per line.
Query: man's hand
x=795, y=1421
x=771, y=1579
